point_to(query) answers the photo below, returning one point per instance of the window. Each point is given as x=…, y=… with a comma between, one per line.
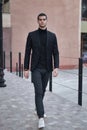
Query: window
x=84, y=46
x=84, y=9
x=6, y=6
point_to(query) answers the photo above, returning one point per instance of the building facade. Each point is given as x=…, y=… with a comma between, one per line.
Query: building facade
x=64, y=19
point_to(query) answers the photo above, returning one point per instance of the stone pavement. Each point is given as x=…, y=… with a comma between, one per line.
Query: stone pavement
x=17, y=108
x=66, y=85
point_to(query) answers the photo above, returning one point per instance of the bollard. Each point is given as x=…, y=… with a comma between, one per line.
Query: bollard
x=10, y=61
x=80, y=82
x=50, y=83
x=16, y=68
x=4, y=66
x=22, y=70
x=19, y=64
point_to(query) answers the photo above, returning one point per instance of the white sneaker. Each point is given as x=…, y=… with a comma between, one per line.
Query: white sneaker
x=41, y=123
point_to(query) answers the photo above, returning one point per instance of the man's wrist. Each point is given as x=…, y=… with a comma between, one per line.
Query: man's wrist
x=55, y=68
x=26, y=69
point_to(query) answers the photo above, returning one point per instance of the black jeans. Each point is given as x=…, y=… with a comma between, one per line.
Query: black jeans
x=40, y=79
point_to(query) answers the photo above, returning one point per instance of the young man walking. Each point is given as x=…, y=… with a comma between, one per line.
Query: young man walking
x=44, y=60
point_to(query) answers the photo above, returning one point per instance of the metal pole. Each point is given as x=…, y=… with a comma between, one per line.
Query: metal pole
x=16, y=68
x=4, y=60
x=22, y=70
x=50, y=83
x=19, y=64
x=80, y=82
x=10, y=61
x=1, y=50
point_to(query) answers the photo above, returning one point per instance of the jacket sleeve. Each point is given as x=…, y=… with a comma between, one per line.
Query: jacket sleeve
x=56, y=53
x=27, y=52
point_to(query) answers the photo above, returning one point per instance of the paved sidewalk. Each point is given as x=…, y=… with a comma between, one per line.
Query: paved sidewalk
x=17, y=108
x=66, y=85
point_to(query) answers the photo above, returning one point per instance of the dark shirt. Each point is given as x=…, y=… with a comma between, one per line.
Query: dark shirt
x=43, y=43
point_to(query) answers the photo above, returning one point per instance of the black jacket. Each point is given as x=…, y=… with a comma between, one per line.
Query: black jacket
x=33, y=43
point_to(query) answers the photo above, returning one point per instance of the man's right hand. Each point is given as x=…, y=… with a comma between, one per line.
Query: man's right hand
x=26, y=74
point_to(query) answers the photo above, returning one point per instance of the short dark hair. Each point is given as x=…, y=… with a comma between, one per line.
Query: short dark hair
x=41, y=14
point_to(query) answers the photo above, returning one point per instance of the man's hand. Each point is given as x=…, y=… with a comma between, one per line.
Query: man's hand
x=55, y=72
x=26, y=74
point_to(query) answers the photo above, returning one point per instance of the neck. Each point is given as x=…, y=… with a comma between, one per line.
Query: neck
x=42, y=28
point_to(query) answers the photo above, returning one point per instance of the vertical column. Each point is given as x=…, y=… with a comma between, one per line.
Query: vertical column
x=1, y=50
x=10, y=61
x=19, y=64
x=80, y=82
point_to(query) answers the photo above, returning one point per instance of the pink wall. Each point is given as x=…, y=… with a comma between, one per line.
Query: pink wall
x=63, y=19
x=7, y=44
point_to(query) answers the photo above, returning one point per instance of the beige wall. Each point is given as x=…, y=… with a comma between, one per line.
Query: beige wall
x=84, y=27
x=63, y=19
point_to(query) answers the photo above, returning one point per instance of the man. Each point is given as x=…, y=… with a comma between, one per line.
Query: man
x=44, y=48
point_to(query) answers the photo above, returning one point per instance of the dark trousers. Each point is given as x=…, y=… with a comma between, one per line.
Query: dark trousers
x=40, y=79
